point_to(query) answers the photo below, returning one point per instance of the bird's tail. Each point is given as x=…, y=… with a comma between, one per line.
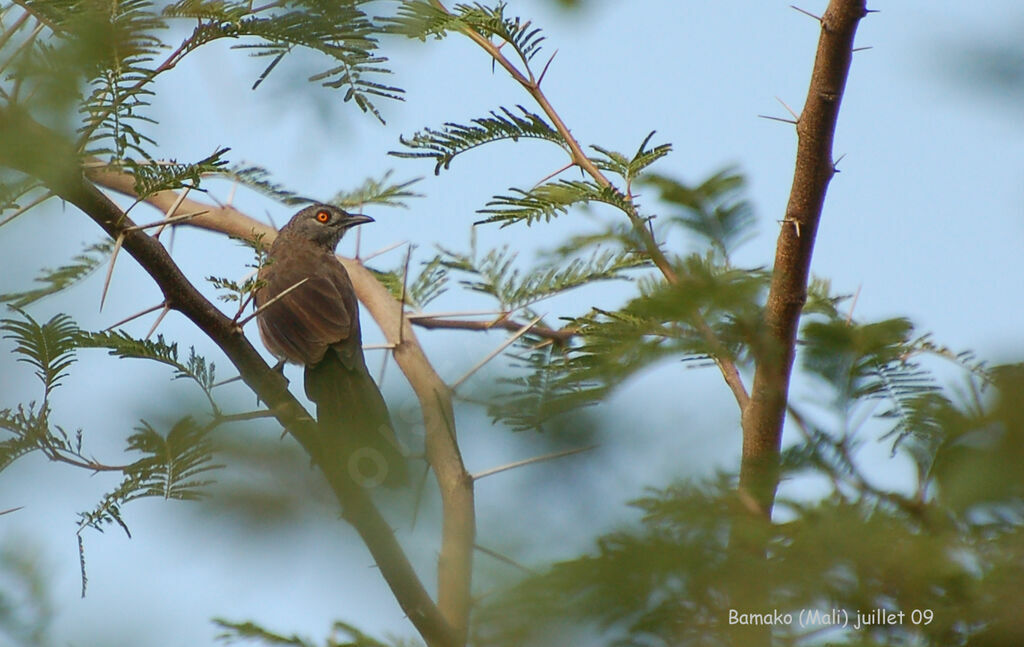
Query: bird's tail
x=355, y=427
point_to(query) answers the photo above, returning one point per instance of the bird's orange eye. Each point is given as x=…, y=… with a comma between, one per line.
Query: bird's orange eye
x=322, y=216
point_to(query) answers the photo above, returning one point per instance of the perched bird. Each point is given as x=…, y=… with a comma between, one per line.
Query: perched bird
x=316, y=324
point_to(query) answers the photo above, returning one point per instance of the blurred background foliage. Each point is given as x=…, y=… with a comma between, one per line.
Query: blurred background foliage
x=678, y=559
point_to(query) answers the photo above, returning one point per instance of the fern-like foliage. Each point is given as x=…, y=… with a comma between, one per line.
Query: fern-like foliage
x=340, y=30
x=495, y=274
x=864, y=360
x=120, y=91
x=250, y=631
x=380, y=191
x=154, y=177
x=27, y=429
x=714, y=210
x=169, y=469
x=415, y=291
x=421, y=19
x=430, y=283
x=551, y=200
x=171, y=464
x=232, y=290
x=611, y=346
x=49, y=347
x=61, y=278
x=631, y=168
x=877, y=361
x=259, y=179
x=121, y=344
x=544, y=391
x=13, y=193
x=444, y=144
x=112, y=48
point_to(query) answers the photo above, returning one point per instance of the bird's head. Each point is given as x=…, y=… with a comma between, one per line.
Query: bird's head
x=323, y=224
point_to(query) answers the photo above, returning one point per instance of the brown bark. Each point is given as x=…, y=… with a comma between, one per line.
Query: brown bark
x=764, y=415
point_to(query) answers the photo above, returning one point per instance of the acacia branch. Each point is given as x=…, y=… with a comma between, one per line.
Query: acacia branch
x=578, y=157
x=458, y=532
x=558, y=335
x=531, y=84
x=32, y=149
x=764, y=415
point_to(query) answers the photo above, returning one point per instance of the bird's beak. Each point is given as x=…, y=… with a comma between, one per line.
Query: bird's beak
x=356, y=219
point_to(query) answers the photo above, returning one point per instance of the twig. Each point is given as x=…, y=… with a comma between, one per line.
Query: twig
x=165, y=222
x=13, y=29
x=502, y=558
x=27, y=42
x=110, y=270
x=174, y=209
x=384, y=250
x=853, y=304
x=243, y=304
x=530, y=461
x=167, y=64
x=236, y=378
x=560, y=335
x=257, y=311
x=413, y=316
x=551, y=175
x=543, y=72
x=405, y=284
x=805, y=12
x=160, y=317
x=242, y=417
x=497, y=351
x=162, y=304
x=43, y=198
x=788, y=109
x=782, y=119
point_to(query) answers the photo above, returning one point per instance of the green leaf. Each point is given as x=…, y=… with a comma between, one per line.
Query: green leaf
x=63, y=277
x=259, y=179
x=169, y=469
x=338, y=30
x=714, y=209
x=628, y=168
x=377, y=191
x=49, y=347
x=454, y=139
x=121, y=344
x=29, y=429
x=494, y=274
x=154, y=177
x=549, y=201
x=172, y=463
x=429, y=284
x=420, y=19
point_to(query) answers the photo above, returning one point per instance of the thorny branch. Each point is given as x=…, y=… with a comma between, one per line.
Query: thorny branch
x=531, y=84
x=53, y=160
x=764, y=415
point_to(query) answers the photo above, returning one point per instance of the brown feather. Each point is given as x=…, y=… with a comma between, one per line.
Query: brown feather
x=317, y=325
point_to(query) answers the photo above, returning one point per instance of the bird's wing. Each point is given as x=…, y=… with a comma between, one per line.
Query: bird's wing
x=305, y=322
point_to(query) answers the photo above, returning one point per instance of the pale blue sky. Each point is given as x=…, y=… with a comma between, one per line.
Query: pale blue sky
x=925, y=219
